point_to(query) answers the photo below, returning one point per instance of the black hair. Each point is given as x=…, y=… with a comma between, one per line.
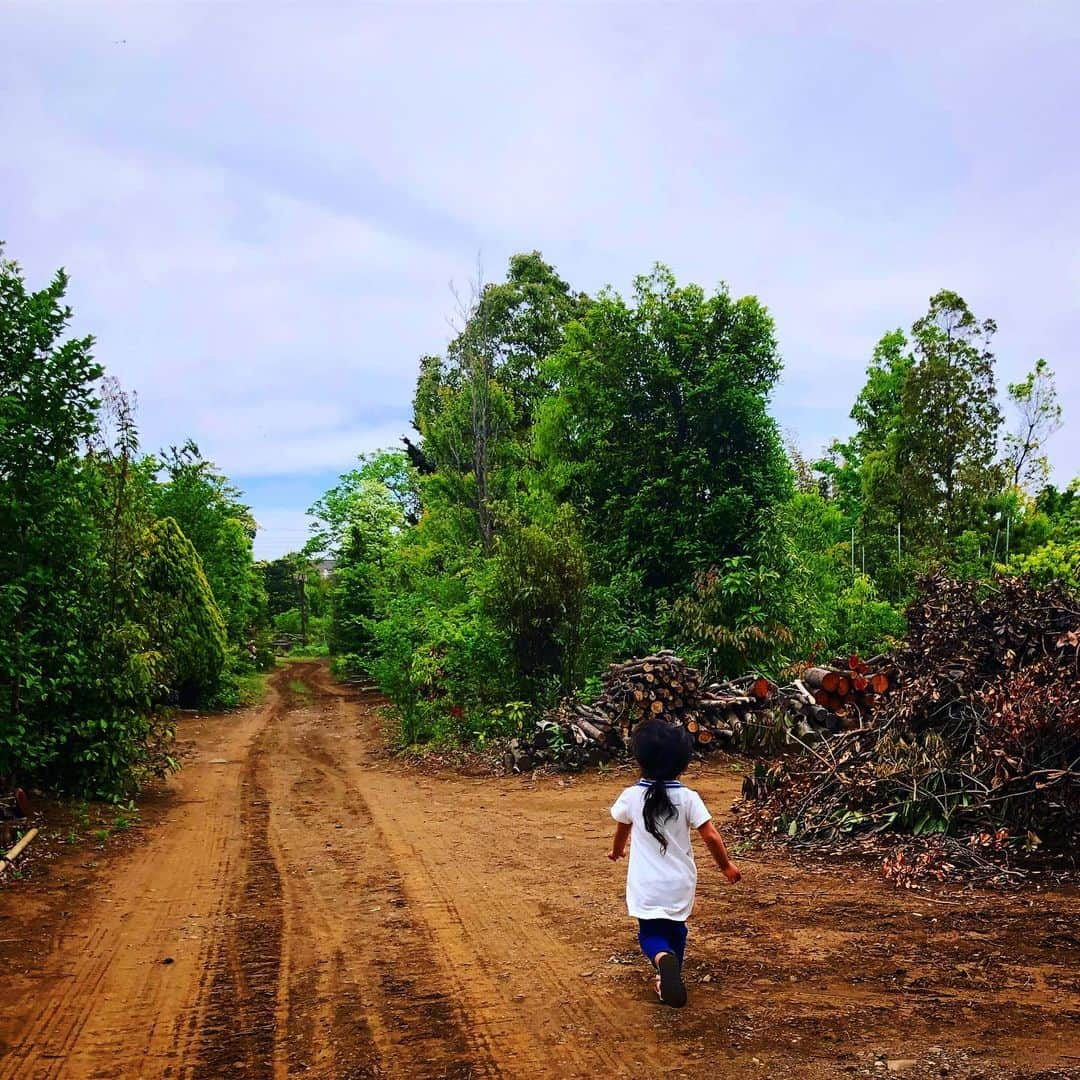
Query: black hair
x=663, y=752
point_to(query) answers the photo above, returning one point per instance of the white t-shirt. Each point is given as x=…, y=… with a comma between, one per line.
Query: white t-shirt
x=660, y=884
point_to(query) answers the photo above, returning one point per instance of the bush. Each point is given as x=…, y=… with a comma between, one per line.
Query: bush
x=444, y=668
x=536, y=590
x=866, y=624
x=185, y=624
x=1053, y=561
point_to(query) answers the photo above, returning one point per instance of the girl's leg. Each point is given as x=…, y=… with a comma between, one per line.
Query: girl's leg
x=662, y=941
x=653, y=937
x=662, y=935
x=677, y=939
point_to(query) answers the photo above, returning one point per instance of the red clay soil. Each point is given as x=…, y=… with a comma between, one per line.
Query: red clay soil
x=298, y=903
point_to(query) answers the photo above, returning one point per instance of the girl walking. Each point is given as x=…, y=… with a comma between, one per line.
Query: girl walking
x=662, y=875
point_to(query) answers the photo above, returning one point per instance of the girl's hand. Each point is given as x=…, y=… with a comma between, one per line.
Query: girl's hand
x=732, y=873
x=615, y=856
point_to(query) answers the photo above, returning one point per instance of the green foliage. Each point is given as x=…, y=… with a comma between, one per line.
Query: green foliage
x=389, y=474
x=865, y=624
x=372, y=520
x=1038, y=416
x=659, y=433
x=1053, y=561
x=475, y=408
x=105, y=613
x=537, y=590
x=208, y=510
x=920, y=481
x=185, y=624
x=932, y=474
x=442, y=660
x=47, y=408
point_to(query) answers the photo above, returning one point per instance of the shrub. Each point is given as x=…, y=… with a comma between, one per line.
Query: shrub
x=185, y=624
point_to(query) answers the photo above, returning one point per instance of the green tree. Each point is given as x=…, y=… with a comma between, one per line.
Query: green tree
x=209, y=512
x=185, y=625
x=47, y=537
x=374, y=522
x=941, y=452
x=475, y=408
x=538, y=593
x=333, y=514
x=659, y=432
x=1038, y=417
x=920, y=471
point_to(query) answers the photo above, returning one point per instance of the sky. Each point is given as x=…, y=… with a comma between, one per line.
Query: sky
x=263, y=207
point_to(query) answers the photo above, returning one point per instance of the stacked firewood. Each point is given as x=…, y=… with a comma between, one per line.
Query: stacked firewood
x=749, y=715
x=849, y=685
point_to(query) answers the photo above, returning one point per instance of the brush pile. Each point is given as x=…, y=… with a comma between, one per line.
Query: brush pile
x=750, y=715
x=979, y=746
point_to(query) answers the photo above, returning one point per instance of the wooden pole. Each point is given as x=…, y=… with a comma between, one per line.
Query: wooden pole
x=303, y=607
x=7, y=859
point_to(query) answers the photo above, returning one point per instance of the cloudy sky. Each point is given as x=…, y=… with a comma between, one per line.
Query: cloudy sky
x=262, y=206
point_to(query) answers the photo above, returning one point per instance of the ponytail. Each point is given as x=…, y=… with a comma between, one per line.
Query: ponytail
x=663, y=752
x=656, y=809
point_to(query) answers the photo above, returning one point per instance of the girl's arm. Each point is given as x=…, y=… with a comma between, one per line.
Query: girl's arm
x=715, y=843
x=618, y=844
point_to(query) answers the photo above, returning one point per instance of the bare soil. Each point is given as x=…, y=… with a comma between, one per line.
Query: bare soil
x=296, y=902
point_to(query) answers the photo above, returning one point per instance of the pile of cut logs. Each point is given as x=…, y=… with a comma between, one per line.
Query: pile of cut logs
x=847, y=685
x=750, y=714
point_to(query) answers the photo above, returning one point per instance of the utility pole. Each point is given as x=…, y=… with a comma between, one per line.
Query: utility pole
x=301, y=583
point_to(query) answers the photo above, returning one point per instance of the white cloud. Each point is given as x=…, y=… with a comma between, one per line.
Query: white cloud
x=261, y=216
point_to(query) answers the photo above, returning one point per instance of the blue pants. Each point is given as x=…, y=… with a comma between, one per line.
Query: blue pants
x=662, y=935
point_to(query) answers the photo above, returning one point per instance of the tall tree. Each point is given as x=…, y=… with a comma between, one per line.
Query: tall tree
x=946, y=442
x=876, y=413
x=933, y=473
x=475, y=407
x=1038, y=417
x=47, y=540
x=221, y=528
x=373, y=523
x=334, y=513
x=659, y=431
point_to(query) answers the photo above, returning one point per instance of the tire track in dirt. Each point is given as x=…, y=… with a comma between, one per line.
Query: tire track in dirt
x=237, y=1035
x=117, y=995
x=379, y=1002
x=528, y=1022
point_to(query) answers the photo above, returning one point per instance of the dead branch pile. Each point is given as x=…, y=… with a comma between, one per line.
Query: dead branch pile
x=980, y=742
x=749, y=715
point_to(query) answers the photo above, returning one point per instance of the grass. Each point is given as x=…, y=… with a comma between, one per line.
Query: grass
x=251, y=688
x=312, y=650
x=298, y=687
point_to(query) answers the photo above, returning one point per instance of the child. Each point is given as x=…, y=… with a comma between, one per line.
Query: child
x=661, y=876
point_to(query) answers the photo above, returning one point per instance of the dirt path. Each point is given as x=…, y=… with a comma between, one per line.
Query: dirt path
x=303, y=905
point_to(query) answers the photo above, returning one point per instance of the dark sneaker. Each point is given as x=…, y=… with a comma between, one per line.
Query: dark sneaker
x=672, y=990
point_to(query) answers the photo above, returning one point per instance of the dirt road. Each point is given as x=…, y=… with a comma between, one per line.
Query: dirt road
x=300, y=904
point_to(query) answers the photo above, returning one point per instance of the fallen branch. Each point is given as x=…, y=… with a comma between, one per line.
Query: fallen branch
x=9, y=857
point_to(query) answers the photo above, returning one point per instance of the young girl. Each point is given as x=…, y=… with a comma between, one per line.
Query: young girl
x=661, y=877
